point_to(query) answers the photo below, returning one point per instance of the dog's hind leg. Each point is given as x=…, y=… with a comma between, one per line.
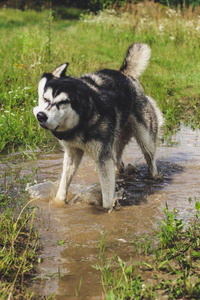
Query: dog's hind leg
x=72, y=159
x=120, y=142
x=106, y=170
x=147, y=142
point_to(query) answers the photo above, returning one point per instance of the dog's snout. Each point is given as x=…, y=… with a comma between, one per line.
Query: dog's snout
x=42, y=117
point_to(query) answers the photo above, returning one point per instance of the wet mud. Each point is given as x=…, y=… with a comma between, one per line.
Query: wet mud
x=70, y=235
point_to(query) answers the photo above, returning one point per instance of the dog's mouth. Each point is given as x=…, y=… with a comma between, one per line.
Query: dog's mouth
x=56, y=128
x=45, y=127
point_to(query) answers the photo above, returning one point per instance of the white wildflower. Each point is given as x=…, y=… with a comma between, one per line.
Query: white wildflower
x=143, y=287
x=161, y=28
x=172, y=11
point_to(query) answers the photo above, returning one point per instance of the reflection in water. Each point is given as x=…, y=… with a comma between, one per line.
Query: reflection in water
x=80, y=225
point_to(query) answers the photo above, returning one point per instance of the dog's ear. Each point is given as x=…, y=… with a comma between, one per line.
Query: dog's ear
x=60, y=71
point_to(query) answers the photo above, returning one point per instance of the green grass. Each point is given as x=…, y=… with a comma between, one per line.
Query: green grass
x=168, y=266
x=30, y=45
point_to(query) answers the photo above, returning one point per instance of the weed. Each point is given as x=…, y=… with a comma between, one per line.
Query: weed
x=102, y=245
x=143, y=245
x=60, y=242
x=59, y=273
x=170, y=229
x=47, y=273
x=49, y=35
x=77, y=291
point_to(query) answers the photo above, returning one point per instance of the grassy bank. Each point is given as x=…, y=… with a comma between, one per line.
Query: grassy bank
x=33, y=42
x=166, y=265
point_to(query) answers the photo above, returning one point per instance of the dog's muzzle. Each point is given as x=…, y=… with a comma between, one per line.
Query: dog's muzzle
x=42, y=118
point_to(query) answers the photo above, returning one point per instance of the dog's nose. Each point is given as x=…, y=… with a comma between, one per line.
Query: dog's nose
x=42, y=117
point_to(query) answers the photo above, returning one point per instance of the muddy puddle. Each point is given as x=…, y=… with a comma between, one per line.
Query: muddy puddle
x=70, y=235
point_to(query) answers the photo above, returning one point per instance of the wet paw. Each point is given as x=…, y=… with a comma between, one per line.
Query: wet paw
x=158, y=176
x=56, y=202
x=130, y=169
x=104, y=209
x=120, y=168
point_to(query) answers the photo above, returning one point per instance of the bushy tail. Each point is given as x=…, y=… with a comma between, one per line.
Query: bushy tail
x=136, y=60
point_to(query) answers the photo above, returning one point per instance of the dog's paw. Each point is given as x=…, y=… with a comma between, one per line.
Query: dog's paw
x=57, y=202
x=158, y=176
x=130, y=169
x=104, y=209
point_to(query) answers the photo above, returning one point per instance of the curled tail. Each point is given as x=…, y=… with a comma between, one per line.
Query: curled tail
x=136, y=60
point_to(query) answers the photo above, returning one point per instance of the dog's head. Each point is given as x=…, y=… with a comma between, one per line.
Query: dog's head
x=63, y=101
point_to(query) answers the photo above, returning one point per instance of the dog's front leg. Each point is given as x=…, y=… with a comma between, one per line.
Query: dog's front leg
x=72, y=159
x=106, y=170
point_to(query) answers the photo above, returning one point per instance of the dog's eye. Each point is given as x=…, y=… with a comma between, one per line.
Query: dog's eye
x=46, y=100
x=62, y=102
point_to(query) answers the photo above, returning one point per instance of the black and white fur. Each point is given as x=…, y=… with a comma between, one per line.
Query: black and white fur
x=98, y=114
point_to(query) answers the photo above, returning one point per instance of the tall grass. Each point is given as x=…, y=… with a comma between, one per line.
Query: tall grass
x=94, y=42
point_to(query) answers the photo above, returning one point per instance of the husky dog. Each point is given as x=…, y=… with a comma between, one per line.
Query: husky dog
x=98, y=114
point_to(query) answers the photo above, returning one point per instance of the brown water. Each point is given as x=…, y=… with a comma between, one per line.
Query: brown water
x=79, y=226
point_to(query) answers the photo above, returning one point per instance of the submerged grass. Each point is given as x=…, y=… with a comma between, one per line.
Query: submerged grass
x=169, y=268
x=97, y=41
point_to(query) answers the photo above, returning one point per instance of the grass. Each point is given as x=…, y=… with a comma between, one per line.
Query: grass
x=35, y=43
x=168, y=267
x=19, y=240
